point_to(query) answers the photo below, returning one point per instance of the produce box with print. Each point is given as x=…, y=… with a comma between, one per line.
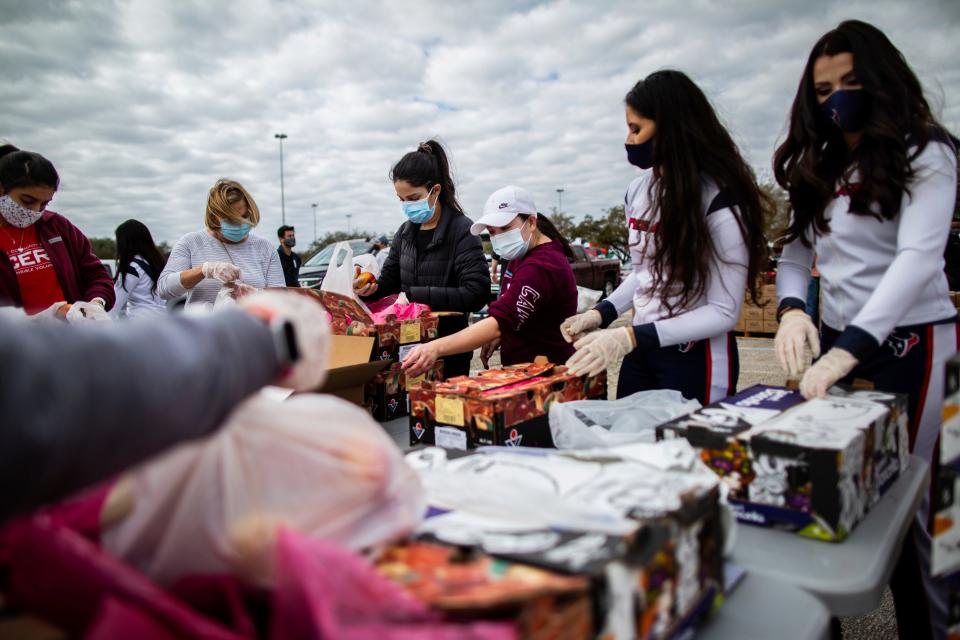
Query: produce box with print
x=386, y=393
x=655, y=582
x=505, y=406
x=946, y=522
x=467, y=584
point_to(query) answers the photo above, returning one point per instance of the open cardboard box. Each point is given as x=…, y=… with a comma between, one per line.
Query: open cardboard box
x=350, y=367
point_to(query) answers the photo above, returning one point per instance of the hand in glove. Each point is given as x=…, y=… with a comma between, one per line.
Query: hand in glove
x=311, y=327
x=825, y=372
x=56, y=311
x=222, y=271
x=574, y=326
x=795, y=333
x=83, y=312
x=598, y=350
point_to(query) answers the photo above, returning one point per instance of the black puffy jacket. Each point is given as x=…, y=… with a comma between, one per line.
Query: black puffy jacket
x=451, y=275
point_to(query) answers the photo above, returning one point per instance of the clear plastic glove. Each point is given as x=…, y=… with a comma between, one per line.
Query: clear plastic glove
x=420, y=359
x=574, y=326
x=598, y=350
x=56, y=311
x=83, y=312
x=826, y=372
x=795, y=333
x=222, y=271
x=487, y=351
x=311, y=326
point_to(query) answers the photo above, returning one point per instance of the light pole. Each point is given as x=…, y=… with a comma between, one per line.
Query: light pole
x=314, y=205
x=349, y=215
x=559, y=200
x=283, y=205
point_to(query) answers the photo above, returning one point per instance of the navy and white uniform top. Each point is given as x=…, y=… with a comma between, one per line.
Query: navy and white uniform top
x=134, y=295
x=717, y=310
x=876, y=275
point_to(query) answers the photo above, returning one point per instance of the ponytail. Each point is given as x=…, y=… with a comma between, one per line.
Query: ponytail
x=426, y=167
x=546, y=227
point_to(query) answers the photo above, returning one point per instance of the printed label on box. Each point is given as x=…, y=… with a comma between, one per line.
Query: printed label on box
x=450, y=410
x=450, y=438
x=405, y=350
x=410, y=332
x=412, y=381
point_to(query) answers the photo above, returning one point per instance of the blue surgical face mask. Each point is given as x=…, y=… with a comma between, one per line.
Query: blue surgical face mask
x=640, y=155
x=418, y=211
x=510, y=245
x=847, y=109
x=235, y=232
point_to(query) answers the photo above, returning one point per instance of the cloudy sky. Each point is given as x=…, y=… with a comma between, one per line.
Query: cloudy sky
x=143, y=104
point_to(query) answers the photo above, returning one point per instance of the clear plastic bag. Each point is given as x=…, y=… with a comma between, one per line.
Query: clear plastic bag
x=588, y=424
x=340, y=274
x=367, y=262
x=314, y=464
x=587, y=298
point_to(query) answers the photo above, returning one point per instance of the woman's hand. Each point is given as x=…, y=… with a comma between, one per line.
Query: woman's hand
x=795, y=334
x=222, y=271
x=487, y=351
x=421, y=359
x=365, y=290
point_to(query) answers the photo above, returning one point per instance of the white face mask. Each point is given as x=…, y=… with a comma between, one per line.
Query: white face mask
x=510, y=245
x=17, y=214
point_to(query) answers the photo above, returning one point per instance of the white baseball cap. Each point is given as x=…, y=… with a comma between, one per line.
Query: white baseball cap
x=503, y=206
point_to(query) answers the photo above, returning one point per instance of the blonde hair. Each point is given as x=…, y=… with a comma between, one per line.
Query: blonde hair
x=223, y=195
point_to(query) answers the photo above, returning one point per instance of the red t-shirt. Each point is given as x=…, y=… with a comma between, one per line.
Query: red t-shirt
x=537, y=293
x=39, y=287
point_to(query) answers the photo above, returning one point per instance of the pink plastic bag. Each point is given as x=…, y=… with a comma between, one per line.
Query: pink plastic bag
x=324, y=592
x=397, y=307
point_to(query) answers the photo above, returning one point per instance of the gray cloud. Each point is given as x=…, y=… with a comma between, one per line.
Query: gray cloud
x=143, y=105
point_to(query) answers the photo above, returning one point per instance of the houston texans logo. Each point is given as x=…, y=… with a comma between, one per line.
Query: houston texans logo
x=686, y=348
x=418, y=430
x=514, y=439
x=901, y=345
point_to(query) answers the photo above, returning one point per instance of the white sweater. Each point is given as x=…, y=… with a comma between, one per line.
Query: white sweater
x=258, y=261
x=135, y=297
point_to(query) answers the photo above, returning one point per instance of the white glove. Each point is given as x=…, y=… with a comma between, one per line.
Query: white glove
x=222, y=271
x=312, y=329
x=84, y=312
x=598, y=350
x=573, y=326
x=53, y=312
x=827, y=371
x=795, y=333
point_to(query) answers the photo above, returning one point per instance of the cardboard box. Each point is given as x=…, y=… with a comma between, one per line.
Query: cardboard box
x=750, y=312
x=770, y=326
x=350, y=367
x=753, y=326
x=386, y=393
x=467, y=584
x=505, y=406
x=811, y=467
x=657, y=581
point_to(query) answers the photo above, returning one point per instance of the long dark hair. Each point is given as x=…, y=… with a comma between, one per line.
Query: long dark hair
x=547, y=228
x=26, y=169
x=815, y=156
x=425, y=167
x=691, y=144
x=133, y=239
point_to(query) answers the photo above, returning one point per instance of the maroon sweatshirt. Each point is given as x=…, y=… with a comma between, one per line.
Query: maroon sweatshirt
x=537, y=293
x=81, y=275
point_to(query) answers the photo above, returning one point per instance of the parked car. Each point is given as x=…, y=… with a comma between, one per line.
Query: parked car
x=313, y=270
x=600, y=274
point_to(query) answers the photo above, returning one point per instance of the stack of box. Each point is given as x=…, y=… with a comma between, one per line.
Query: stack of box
x=386, y=393
x=945, y=557
x=759, y=319
x=657, y=581
x=505, y=406
x=811, y=467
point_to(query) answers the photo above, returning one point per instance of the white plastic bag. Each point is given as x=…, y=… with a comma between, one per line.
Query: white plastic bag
x=368, y=262
x=314, y=463
x=587, y=298
x=339, y=277
x=587, y=424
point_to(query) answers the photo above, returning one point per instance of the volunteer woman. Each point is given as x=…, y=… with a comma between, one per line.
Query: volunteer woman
x=433, y=258
x=225, y=252
x=46, y=263
x=696, y=241
x=537, y=293
x=139, y=264
x=872, y=181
